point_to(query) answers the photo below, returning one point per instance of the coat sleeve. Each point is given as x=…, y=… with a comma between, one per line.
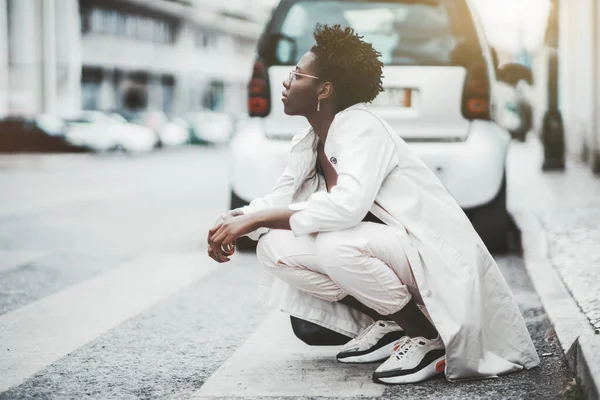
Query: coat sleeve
x=280, y=196
x=365, y=155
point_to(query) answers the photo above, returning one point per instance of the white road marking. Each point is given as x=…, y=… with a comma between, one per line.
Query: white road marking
x=274, y=363
x=36, y=335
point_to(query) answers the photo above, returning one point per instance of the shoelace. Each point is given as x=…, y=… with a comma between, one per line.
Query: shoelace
x=402, y=346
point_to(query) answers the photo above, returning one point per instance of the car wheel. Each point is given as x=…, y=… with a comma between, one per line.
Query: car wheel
x=243, y=243
x=316, y=335
x=493, y=223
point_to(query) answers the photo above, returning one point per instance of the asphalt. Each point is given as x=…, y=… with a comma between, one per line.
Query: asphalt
x=72, y=219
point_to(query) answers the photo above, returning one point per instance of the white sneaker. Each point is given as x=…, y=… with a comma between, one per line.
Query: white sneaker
x=413, y=360
x=374, y=343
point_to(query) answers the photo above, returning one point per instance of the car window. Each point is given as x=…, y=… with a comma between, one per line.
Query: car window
x=406, y=33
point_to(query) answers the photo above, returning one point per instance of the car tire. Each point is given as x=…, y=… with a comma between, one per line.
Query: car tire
x=493, y=222
x=316, y=335
x=243, y=244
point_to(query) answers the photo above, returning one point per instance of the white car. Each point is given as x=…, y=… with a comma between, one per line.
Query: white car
x=107, y=132
x=441, y=95
x=170, y=132
x=175, y=132
x=210, y=127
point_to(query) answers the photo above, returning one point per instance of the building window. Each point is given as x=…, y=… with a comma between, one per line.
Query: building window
x=168, y=93
x=118, y=23
x=91, y=79
x=214, y=96
x=243, y=46
x=205, y=39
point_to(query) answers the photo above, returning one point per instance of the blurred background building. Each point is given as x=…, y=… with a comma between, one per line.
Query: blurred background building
x=60, y=56
x=536, y=31
x=578, y=47
x=63, y=56
x=515, y=28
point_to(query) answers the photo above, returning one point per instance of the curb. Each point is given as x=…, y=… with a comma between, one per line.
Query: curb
x=586, y=351
x=580, y=345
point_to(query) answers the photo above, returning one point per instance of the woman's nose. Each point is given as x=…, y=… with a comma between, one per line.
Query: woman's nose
x=286, y=83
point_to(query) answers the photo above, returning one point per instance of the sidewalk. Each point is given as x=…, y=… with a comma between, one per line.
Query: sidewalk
x=559, y=217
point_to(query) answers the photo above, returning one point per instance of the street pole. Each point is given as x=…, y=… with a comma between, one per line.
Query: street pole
x=596, y=110
x=48, y=56
x=3, y=57
x=553, y=133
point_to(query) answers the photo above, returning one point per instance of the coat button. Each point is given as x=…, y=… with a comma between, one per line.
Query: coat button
x=428, y=293
x=333, y=160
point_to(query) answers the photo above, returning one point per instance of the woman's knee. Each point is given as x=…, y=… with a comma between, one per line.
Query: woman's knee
x=267, y=249
x=335, y=248
x=278, y=245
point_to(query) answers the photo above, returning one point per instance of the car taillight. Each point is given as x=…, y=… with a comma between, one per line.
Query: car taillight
x=259, y=96
x=476, y=93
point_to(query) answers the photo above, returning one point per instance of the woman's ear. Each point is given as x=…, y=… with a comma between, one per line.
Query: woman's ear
x=326, y=90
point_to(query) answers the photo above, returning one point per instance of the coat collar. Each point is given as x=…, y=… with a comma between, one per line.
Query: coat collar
x=308, y=139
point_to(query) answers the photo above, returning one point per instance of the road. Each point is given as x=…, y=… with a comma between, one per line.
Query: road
x=106, y=292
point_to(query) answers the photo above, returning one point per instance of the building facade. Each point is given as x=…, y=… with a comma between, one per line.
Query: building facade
x=60, y=56
x=574, y=37
x=39, y=56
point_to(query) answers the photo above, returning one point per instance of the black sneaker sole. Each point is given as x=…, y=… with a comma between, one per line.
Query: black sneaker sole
x=433, y=364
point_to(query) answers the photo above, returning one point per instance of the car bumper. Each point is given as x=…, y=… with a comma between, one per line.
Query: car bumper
x=472, y=170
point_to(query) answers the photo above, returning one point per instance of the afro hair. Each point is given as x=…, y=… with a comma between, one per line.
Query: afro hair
x=349, y=63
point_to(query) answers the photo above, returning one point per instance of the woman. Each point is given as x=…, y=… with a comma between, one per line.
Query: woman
x=359, y=236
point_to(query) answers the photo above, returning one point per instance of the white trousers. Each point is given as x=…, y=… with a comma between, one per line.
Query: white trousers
x=367, y=262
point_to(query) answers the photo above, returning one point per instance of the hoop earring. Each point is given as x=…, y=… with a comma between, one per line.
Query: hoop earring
x=319, y=105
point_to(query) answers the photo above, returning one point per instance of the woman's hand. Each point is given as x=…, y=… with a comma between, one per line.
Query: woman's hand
x=223, y=236
x=220, y=253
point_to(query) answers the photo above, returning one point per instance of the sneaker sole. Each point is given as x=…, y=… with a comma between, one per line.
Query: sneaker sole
x=429, y=371
x=380, y=354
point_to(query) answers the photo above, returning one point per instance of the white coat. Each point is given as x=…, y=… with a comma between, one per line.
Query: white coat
x=463, y=290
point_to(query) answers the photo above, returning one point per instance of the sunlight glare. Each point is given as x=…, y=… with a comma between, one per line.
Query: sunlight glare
x=511, y=24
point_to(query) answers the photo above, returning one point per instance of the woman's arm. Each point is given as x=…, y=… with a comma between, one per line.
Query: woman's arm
x=274, y=218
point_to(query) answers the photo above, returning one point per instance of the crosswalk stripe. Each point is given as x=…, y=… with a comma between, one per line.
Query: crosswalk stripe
x=274, y=363
x=36, y=335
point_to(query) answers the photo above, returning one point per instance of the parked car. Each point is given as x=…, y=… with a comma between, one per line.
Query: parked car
x=51, y=124
x=175, y=132
x=108, y=132
x=210, y=127
x=170, y=132
x=38, y=134
x=441, y=95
